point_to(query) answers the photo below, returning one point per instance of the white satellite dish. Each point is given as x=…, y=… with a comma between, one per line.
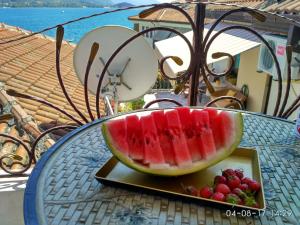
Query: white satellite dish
x=132, y=72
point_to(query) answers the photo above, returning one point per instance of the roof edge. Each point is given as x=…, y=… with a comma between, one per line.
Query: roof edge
x=27, y=121
x=27, y=32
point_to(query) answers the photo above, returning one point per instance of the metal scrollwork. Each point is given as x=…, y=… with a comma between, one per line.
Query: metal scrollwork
x=33, y=148
x=197, y=68
x=16, y=159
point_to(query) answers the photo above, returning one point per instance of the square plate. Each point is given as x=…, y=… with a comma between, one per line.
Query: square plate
x=117, y=174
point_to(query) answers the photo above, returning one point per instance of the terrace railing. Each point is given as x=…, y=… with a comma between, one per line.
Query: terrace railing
x=198, y=67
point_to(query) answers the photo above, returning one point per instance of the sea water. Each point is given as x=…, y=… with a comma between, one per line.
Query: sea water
x=35, y=19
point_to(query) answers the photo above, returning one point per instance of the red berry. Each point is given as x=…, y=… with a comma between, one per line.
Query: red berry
x=233, y=199
x=239, y=173
x=239, y=192
x=206, y=192
x=220, y=180
x=256, y=205
x=223, y=188
x=191, y=190
x=243, y=187
x=228, y=172
x=233, y=182
x=254, y=186
x=246, y=180
x=218, y=196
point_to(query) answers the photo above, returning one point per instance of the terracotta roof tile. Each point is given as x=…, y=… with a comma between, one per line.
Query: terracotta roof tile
x=285, y=7
x=13, y=81
x=28, y=106
x=29, y=102
x=246, y=3
x=20, y=151
x=3, y=127
x=12, y=127
x=15, y=86
x=63, y=120
x=170, y=15
x=9, y=146
x=4, y=77
x=166, y=15
x=52, y=116
x=29, y=66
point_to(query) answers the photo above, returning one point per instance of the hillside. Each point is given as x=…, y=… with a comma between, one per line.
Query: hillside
x=55, y=3
x=137, y=2
x=122, y=5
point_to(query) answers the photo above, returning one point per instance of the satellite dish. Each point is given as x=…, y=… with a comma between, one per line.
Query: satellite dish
x=132, y=72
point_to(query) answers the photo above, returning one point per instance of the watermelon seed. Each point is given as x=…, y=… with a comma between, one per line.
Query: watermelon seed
x=189, y=133
x=147, y=140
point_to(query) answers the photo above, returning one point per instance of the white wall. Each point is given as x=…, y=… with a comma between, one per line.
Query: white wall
x=11, y=195
x=294, y=92
x=257, y=82
x=148, y=24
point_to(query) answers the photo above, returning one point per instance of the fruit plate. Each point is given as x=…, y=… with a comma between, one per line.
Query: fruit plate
x=117, y=174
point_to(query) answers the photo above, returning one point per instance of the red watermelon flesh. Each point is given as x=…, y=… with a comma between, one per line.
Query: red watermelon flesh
x=189, y=132
x=203, y=133
x=117, y=128
x=173, y=142
x=152, y=151
x=215, y=123
x=135, y=137
x=226, y=127
x=163, y=134
x=181, y=151
x=207, y=144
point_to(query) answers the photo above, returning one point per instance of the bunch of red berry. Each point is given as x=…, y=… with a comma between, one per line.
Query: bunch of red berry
x=231, y=187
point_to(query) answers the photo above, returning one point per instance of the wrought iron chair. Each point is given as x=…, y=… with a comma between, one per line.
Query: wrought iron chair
x=197, y=68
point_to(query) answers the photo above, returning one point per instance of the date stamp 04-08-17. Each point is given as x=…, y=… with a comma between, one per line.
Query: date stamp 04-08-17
x=248, y=213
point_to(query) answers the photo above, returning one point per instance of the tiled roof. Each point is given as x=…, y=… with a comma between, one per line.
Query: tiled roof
x=285, y=7
x=166, y=15
x=28, y=66
x=246, y=3
x=170, y=15
x=14, y=121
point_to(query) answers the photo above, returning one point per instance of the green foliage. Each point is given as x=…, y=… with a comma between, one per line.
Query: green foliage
x=133, y=105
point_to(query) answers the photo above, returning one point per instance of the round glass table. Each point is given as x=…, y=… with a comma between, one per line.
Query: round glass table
x=62, y=188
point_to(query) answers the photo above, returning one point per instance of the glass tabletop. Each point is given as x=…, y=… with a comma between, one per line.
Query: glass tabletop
x=62, y=188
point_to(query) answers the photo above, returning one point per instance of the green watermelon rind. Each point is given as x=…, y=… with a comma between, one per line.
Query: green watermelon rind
x=175, y=171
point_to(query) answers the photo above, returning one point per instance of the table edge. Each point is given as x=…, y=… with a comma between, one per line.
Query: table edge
x=29, y=206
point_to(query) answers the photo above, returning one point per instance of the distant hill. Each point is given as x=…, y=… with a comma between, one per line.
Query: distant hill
x=137, y=2
x=122, y=5
x=55, y=3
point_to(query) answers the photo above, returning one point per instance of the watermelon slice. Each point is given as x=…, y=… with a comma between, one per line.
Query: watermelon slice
x=175, y=141
x=176, y=135
x=203, y=133
x=190, y=132
x=215, y=124
x=152, y=152
x=134, y=137
x=163, y=134
x=118, y=129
